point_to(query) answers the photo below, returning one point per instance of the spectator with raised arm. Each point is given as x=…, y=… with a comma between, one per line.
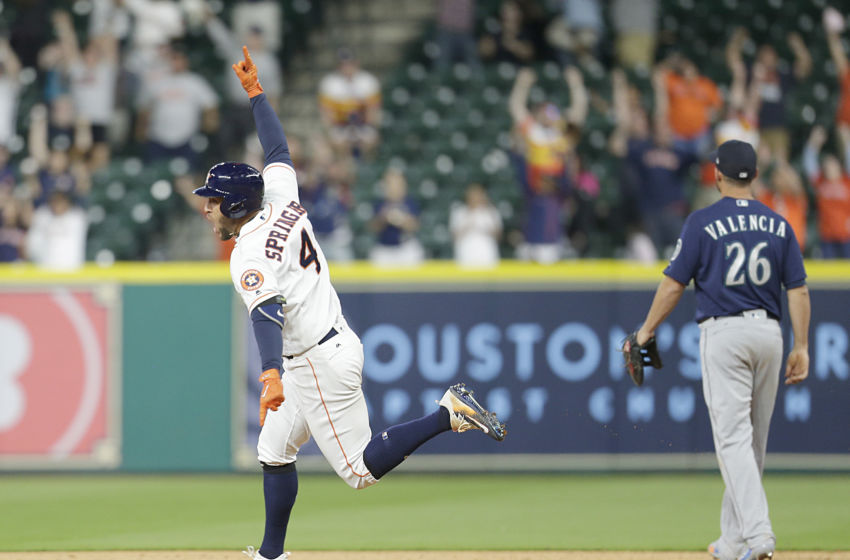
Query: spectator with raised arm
x=10, y=67
x=655, y=169
x=632, y=121
x=93, y=74
x=234, y=126
x=740, y=120
x=744, y=99
x=544, y=135
x=544, y=139
x=833, y=23
x=775, y=85
x=55, y=167
x=831, y=182
x=156, y=24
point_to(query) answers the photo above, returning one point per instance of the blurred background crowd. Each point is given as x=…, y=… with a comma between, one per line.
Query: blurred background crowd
x=476, y=130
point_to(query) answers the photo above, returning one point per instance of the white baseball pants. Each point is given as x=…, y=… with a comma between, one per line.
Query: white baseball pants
x=324, y=399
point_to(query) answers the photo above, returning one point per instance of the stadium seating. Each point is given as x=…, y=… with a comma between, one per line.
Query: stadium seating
x=447, y=130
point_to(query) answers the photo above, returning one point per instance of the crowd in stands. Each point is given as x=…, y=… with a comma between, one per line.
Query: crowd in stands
x=116, y=80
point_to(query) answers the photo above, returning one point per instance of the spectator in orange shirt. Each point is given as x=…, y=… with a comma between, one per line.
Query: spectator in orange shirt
x=692, y=102
x=783, y=193
x=832, y=191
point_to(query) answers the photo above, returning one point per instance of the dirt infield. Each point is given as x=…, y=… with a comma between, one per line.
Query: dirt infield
x=407, y=555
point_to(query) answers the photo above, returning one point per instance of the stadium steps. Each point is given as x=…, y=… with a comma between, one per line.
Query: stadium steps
x=377, y=31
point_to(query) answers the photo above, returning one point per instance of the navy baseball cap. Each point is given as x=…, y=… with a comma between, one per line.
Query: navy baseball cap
x=736, y=160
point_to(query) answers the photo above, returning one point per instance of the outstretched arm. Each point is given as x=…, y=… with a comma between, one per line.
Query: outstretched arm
x=836, y=50
x=802, y=57
x=844, y=136
x=735, y=63
x=63, y=26
x=269, y=129
x=811, y=152
x=10, y=60
x=220, y=35
x=617, y=142
x=519, y=94
x=576, y=113
x=660, y=95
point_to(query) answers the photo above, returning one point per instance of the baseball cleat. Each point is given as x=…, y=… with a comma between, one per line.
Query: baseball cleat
x=720, y=551
x=254, y=554
x=762, y=551
x=467, y=414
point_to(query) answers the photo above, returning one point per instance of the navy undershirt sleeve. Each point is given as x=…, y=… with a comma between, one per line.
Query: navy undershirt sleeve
x=267, y=320
x=270, y=131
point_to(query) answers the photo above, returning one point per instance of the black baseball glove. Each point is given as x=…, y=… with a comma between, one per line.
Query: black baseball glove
x=637, y=356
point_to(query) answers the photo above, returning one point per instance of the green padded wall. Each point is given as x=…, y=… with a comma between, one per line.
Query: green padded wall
x=176, y=377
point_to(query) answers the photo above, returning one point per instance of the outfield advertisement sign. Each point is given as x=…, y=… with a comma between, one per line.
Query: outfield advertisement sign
x=548, y=363
x=58, y=381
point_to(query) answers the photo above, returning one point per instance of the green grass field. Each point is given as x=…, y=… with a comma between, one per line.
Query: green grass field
x=410, y=512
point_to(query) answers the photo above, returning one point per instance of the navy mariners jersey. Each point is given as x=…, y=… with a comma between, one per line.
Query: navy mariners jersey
x=739, y=253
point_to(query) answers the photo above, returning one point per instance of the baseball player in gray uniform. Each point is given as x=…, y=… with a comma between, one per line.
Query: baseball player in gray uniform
x=739, y=254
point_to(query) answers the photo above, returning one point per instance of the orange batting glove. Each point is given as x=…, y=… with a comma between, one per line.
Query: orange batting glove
x=272, y=394
x=247, y=73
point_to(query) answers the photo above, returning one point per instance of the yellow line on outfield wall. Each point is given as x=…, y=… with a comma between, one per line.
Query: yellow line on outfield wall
x=434, y=272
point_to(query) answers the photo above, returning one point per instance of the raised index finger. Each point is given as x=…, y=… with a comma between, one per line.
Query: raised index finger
x=248, y=61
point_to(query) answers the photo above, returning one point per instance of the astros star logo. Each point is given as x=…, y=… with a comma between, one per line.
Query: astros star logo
x=251, y=280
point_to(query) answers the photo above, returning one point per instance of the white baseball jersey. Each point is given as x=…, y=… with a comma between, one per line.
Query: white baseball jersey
x=276, y=254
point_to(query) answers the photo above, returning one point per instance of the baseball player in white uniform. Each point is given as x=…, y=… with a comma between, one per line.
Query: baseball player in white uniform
x=739, y=254
x=282, y=275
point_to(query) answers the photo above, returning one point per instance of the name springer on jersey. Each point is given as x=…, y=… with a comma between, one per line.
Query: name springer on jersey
x=284, y=223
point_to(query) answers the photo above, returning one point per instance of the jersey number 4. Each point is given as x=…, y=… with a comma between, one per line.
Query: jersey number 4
x=758, y=267
x=308, y=252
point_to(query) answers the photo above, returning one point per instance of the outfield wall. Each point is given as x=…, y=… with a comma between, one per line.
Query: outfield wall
x=152, y=367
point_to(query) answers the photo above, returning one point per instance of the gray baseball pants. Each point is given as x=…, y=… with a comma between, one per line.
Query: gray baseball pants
x=741, y=358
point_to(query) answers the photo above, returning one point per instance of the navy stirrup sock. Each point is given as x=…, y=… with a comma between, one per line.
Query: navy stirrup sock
x=392, y=446
x=280, y=486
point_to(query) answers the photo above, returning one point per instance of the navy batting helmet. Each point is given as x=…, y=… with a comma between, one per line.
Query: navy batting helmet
x=240, y=186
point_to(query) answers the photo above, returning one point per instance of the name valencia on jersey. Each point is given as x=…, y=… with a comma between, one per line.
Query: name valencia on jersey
x=749, y=222
x=281, y=228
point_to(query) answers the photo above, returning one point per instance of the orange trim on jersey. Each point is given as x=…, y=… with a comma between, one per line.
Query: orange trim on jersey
x=280, y=164
x=259, y=299
x=355, y=473
x=271, y=213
